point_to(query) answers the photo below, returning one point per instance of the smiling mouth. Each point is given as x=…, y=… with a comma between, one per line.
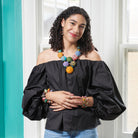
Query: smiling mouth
x=73, y=35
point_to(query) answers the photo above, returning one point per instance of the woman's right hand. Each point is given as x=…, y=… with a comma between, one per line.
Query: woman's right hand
x=64, y=98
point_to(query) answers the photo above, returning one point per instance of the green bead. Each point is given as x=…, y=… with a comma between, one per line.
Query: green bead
x=69, y=59
x=45, y=100
x=73, y=63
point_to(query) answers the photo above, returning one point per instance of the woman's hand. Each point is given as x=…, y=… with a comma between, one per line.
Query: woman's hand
x=64, y=99
x=56, y=107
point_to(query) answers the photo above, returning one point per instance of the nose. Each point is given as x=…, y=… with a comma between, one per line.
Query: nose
x=76, y=29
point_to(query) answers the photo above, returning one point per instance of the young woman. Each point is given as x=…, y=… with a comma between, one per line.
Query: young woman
x=70, y=85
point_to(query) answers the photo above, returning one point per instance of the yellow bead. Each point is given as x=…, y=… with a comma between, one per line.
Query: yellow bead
x=60, y=55
x=69, y=69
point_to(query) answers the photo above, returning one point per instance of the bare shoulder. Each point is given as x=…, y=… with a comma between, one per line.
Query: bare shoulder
x=43, y=56
x=94, y=55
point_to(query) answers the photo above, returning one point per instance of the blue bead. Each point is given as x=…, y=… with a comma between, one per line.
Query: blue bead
x=59, y=51
x=63, y=58
x=78, y=47
x=78, y=53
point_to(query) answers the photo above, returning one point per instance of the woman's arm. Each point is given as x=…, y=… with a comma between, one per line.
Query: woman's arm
x=78, y=102
x=64, y=98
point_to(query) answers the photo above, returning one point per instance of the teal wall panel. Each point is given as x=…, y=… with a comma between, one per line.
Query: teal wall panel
x=2, y=132
x=12, y=68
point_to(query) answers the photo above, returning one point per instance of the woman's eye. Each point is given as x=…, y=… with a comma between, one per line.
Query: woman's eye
x=82, y=27
x=72, y=23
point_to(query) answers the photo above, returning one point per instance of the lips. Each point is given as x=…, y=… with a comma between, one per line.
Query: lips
x=73, y=35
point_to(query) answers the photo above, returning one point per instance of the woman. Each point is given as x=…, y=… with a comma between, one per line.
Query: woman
x=70, y=85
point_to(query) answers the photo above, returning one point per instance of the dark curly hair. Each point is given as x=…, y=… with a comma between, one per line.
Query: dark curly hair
x=56, y=37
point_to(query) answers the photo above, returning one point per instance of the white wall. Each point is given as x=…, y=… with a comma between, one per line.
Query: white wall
x=31, y=128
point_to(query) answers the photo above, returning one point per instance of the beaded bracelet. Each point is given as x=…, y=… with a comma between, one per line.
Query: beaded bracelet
x=44, y=96
x=84, y=101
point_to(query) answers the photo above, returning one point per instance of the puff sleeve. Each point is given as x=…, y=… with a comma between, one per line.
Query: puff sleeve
x=108, y=103
x=33, y=106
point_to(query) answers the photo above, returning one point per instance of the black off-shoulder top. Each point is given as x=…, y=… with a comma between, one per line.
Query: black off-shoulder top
x=89, y=78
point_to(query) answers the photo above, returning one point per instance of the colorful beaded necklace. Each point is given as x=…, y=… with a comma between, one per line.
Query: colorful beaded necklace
x=69, y=62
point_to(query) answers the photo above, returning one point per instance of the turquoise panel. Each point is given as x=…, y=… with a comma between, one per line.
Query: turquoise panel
x=1, y=79
x=13, y=69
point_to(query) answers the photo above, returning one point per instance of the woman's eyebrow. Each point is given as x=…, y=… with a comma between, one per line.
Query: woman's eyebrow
x=76, y=22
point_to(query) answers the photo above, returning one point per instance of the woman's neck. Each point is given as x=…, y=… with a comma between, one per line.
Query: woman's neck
x=69, y=49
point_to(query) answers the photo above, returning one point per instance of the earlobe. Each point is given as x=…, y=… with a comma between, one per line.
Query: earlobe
x=62, y=22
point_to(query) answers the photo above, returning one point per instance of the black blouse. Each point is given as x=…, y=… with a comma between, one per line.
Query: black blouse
x=89, y=78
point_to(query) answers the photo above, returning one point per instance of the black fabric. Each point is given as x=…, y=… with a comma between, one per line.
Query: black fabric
x=32, y=104
x=90, y=78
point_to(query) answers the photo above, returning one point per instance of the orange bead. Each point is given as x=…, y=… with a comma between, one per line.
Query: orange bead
x=60, y=54
x=69, y=69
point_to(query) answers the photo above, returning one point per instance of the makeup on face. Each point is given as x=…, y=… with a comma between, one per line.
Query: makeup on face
x=74, y=27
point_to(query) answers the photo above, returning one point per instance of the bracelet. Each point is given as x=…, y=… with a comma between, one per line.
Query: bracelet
x=84, y=101
x=44, y=99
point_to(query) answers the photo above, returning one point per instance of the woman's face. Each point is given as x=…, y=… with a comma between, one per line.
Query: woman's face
x=73, y=28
